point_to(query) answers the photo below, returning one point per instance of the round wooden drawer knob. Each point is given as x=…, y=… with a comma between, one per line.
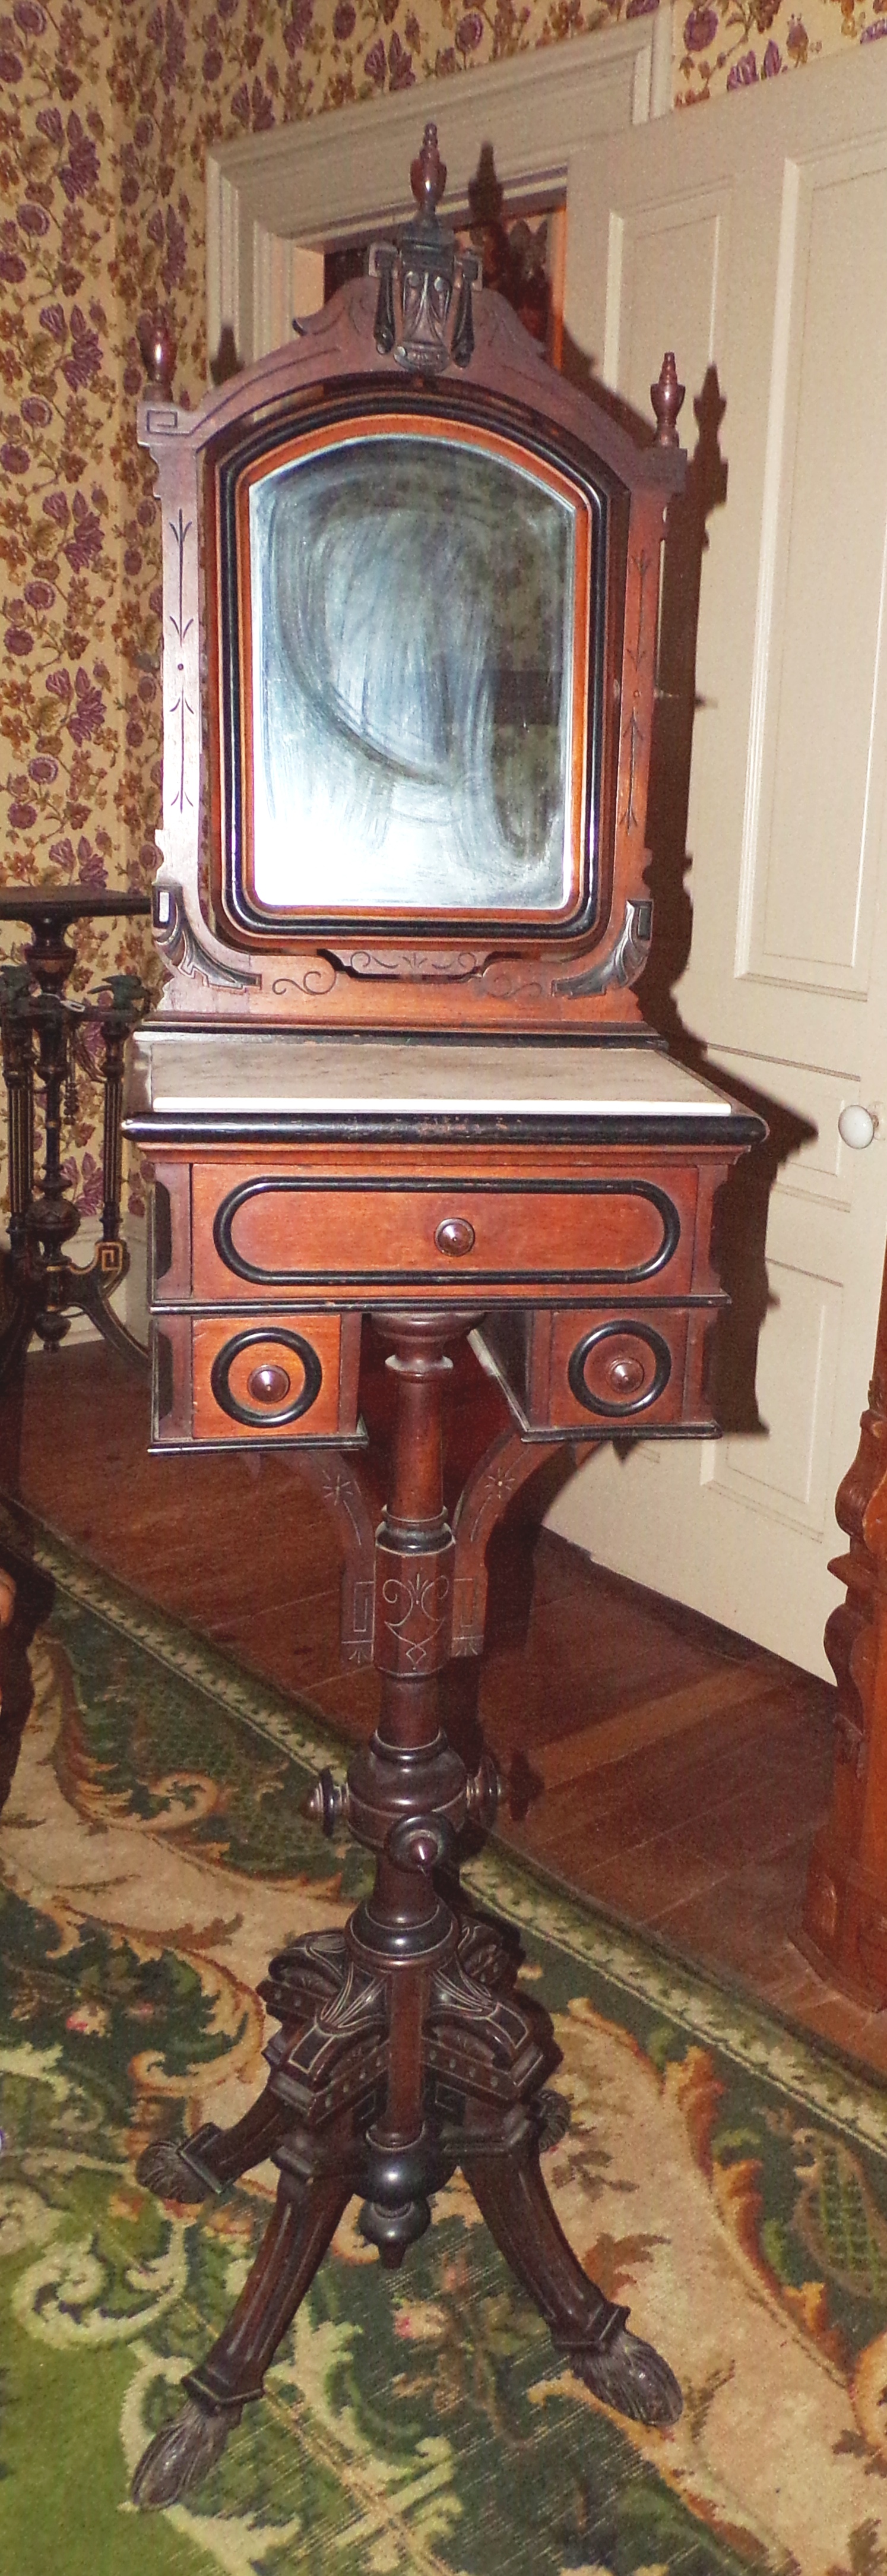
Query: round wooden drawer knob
x=626, y=1375
x=454, y=1235
x=619, y=1368
x=268, y=1385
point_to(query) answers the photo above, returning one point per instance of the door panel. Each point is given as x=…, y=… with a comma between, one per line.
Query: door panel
x=754, y=239
x=820, y=677
x=675, y=256
x=786, y=1471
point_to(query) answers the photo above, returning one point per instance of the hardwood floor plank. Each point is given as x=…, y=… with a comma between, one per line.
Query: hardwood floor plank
x=653, y=1721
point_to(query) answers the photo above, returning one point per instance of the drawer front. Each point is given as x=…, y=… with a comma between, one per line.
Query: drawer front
x=605, y=1373
x=272, y=1234
x=618, y=1374
x=222, y=1380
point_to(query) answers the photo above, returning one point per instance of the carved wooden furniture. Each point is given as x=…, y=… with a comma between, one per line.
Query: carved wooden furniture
x=400, y=1073
x=845, y=1904
x=43, y=1035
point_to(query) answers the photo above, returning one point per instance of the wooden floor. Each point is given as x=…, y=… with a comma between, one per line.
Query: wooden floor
x=658, y=1763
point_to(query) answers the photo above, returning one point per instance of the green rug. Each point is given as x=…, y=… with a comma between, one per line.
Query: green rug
x=720, y=2175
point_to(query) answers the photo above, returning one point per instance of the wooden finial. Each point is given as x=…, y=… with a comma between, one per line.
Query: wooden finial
x=666, y=397
x=428, y=174
x=158, y=350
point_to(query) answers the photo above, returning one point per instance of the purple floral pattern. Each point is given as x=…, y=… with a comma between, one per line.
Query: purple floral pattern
x=106, y=111
x=733, y=44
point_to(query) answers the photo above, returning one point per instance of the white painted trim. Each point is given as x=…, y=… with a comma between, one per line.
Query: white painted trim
x=770, y=520
x=270, y=197
x=662, y=61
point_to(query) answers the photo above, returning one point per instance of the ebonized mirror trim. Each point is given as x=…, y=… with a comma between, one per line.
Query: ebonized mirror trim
x=353, y=412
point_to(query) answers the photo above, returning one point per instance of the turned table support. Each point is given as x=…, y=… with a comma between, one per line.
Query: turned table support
x=405, y=2047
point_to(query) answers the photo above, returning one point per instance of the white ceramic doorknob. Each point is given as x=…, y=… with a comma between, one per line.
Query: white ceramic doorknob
x=856, y=1125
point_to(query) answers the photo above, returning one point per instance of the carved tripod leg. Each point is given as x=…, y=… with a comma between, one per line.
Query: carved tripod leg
x=586, y=2327
x=194, y=2167
x=294, y=2243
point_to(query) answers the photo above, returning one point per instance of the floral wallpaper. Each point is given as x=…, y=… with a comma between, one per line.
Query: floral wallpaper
x=730, y=44
x=106, y=109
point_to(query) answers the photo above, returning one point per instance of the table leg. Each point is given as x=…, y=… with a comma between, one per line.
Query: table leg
x=404, y=2048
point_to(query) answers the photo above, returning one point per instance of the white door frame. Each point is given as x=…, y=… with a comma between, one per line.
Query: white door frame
x=274, y=201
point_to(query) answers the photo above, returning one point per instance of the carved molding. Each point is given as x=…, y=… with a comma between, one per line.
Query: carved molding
x=504, y=1467
x=624, y=962
x=412, y=965
x=180, y=946
x=340, y=1489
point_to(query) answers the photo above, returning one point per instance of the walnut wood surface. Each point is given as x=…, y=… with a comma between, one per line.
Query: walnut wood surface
x=845, y=1905
x=384, y=973
x=404, y=2048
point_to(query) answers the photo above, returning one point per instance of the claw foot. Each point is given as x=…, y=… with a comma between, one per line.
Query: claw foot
x=630, y=2376
x=181, y=2455
x=163, y=2170
x=553, y=2117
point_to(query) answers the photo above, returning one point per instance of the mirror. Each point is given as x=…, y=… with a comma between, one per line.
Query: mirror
x=415, y=622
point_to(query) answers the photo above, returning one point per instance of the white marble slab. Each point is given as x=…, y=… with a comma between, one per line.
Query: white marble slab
x=189, y=1072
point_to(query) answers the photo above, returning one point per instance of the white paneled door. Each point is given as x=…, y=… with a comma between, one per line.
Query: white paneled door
x=752, y=237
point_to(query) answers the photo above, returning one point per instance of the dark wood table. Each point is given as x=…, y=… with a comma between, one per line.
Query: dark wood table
x=556, y=1204
x=42, y=1037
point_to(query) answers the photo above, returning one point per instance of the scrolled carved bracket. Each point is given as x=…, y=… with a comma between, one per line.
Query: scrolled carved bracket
x=499, y=1474
x=183, y=953
x=624, y=962
x=338, y=1485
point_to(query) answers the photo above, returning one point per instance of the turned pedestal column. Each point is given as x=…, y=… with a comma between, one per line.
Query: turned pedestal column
x=405, y=2048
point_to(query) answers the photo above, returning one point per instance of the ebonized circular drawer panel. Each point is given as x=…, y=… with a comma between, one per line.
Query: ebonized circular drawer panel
x=234, y=1378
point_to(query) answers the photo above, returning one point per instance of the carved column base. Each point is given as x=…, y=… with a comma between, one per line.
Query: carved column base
x=844, y=1924
x=487, y=2052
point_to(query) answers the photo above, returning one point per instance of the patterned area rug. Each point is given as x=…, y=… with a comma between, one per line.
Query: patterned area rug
x=719, y=2174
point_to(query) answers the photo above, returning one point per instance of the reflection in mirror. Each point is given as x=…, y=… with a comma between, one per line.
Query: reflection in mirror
x=412, y=608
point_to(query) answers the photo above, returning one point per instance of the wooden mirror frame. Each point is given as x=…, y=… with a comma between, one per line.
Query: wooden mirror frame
x=518, y=978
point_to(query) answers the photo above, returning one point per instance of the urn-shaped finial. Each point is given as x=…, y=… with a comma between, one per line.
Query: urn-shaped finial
x=158, y=351
x=428, y=173
x=666, y=397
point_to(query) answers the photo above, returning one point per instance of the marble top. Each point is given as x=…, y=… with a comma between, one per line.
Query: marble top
x=187, y=1072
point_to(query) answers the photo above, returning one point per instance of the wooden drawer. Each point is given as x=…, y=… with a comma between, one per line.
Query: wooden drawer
x=222, y=1380
x=604, y=1372
x=272, y=1233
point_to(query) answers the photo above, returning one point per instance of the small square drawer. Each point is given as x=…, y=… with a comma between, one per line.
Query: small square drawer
x=222, y=1380
x=603, y=1372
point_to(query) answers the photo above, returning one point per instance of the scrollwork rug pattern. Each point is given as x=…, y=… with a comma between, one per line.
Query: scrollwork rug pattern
x=719, y=2174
